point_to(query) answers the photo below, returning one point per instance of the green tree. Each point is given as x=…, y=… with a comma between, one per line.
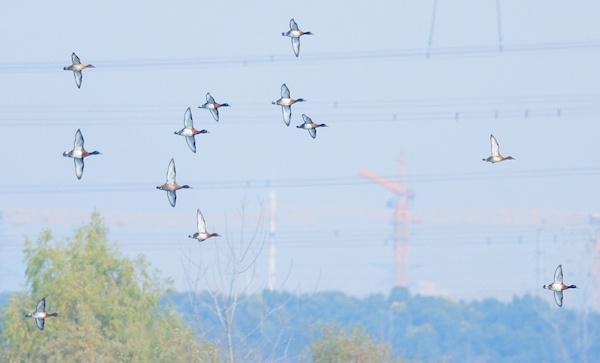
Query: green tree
x=108, y=306
x=337, y=345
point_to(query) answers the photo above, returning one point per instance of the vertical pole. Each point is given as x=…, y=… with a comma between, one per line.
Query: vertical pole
x=272, y=261
x=431, y=27
x=401, y=220
x=499, y=21
x=597, y=272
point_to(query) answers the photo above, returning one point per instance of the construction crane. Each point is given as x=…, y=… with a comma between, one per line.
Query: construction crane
x=401, y=221
x=403, y=218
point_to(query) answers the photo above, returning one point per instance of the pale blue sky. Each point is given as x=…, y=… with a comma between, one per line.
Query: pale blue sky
x=156, y=59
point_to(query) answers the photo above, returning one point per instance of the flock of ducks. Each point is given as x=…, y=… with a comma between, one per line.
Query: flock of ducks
x=79, y=153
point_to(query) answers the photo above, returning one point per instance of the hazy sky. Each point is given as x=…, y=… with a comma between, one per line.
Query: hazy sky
x=365, y=73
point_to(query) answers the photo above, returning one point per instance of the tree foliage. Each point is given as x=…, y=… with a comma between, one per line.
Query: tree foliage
x=108, y=306
x=354, y=346
x=421, y=328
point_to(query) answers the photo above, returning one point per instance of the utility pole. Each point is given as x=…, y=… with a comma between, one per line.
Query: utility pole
x=272, y=260
x=595, y=221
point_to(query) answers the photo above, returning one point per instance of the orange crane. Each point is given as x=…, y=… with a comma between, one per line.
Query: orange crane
x=401, y=221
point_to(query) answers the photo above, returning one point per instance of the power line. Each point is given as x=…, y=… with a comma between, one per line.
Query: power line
x=265, y=183
x=444, y=236
x=362, y=111
x=264, y=60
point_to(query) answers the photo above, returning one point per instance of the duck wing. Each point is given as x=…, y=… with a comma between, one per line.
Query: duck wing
x=312, y=132
x=558, y=274
x=209, y=98
x=172, y=196
x=558, y=297
x=78, y=144
x=78, y=77
x=285, y=91
x=41, y=305
x=287, y=114
x=40, y=323
x=215, y=114
x=191, y=141
x=201, y=222
x=75, y=59
x=306, y=119
x=171, y=171
x=293, y=25
x=188, y=122
x=495, y=146
x=78, y=167
x=296, y=45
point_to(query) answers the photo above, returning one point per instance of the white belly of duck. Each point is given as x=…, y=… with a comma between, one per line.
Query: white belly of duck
x=76, y=154
x=186, y=132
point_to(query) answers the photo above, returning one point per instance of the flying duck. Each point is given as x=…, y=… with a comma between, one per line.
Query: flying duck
x=558, y=286
x=286, y=103
x=77, y=67
x=188, y=130
x=202, y=234
x=310, y=126
x=295, y=34
x=496, y=157
x=40, y=314
x=171, y=185
x=78, y=153
x=213, y=106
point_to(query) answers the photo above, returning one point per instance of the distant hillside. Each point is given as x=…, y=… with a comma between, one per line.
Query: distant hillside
x=281, y=326
x=419, y=328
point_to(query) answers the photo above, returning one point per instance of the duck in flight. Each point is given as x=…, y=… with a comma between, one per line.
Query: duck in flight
x=295, y=33
x=202, y=234
x=40, y=314
x=213, y=106
x=558, y=286
x=310, y=126
x=77, y=67
x=78, y=153
x=171, y=185
x=286, y=103
x=496, y=157
x=189, y=131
